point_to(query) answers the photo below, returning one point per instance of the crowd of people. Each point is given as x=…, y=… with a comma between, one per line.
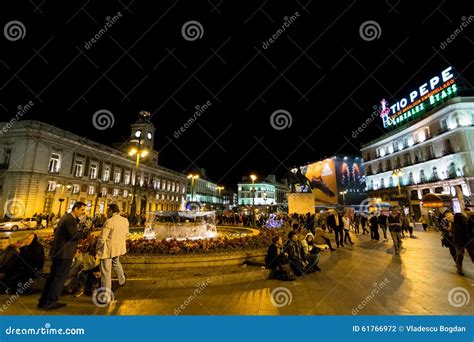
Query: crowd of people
x=286, y=263
x=72, y=269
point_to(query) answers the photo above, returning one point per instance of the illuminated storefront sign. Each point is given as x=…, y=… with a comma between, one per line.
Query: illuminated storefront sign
x=428, y=94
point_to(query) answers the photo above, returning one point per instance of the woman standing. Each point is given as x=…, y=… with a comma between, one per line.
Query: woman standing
x=346, y=223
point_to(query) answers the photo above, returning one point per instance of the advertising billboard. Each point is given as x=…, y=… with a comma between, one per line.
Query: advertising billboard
x=322, y=176
x=350, y=180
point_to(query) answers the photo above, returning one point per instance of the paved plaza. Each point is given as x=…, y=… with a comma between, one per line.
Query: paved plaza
x=366, y=279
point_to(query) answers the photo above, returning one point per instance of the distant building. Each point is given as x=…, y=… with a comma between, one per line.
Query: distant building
x=204, y=191
x=46, y=169
x=268, y=192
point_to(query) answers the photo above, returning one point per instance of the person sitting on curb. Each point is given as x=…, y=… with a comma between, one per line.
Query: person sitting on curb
x=300, y=262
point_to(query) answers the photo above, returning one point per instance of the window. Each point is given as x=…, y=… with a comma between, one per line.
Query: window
x=405, y=142
x=125, y=193
x=7, y=154
x=448, y=149
x=106, y=174
x=438, y=190
x=163, y=184
x=434, y=176
x=177, y=187
x=389, y=165
x=93, y=171
x=168, y=183
x=76, y=188
x=116, y=192
x=117, y=177
x=418, y=155
x=173, y=186
x=126, y=178
x=425, y=191
x=382, y=183
x=51, y=186
x=443, y=126
x=422, y=176
x=103, y=191
x=90, y=190
x=54, y=163
x=429, y=152
x=411, y=181
x=414, y=194
x=78, y=169
x=407, y=159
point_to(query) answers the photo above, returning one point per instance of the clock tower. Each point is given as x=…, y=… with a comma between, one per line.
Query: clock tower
x=143, y=137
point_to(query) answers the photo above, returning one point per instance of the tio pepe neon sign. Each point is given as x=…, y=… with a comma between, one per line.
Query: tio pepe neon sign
x=435, y=90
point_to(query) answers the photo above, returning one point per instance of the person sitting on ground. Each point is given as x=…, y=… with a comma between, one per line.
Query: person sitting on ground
x=462, y=240
x=300, y=262
x=309, y=245
x=8, y=261
x=30, y=263
x=277, y=261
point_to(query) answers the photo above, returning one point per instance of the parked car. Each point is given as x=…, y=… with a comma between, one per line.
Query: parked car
x=15, y=224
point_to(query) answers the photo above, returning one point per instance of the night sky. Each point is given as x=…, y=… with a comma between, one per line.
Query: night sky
x=320, y=70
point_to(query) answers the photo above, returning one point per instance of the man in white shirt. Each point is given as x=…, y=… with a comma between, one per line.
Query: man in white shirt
x=111, y=245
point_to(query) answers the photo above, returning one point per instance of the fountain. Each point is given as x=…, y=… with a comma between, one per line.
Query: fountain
x=180, y=225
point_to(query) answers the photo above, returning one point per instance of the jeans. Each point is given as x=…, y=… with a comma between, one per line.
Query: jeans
x=374, y=232
x=397, y=241
x=55, y=282
x=338, y=233
x=347, y=236
x=384, y=230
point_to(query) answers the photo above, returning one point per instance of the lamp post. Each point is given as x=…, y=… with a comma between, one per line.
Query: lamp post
x=138, y=153
x=192, y=177
x=253, y=178
x=398, y=173
x=343, y=193
x=219, y=189
x=61, y=199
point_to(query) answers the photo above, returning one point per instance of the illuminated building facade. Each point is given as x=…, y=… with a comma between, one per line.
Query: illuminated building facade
x=432, y=153
x=44, y=169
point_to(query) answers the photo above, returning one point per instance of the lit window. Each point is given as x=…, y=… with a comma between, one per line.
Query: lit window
x=117, y=177
x=104, y=191
x=51, y=186
x=93, y=171
x=116, y=192
x=125, y=193
x=126, y=178
x=78, y=169
x=54, y=163
x=76, y=188
x=106, y=174
x=90, y=190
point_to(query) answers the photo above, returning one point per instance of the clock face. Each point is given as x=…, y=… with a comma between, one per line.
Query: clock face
x=149, y=136
x=138, y=134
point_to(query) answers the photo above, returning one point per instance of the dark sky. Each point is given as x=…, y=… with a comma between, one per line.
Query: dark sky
x=320, y=70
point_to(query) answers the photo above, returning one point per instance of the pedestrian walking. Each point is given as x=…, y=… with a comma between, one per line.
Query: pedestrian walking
x=346, y=221
x=110, y=246
x=395, y=228
x=374, y=227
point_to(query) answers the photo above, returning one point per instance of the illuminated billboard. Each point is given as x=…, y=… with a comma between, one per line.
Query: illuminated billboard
x=329, y=177
x=424, y=97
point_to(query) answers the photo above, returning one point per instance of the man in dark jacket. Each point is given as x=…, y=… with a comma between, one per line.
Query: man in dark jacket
x=462, y=240
x=62, y=252
x=334, y=222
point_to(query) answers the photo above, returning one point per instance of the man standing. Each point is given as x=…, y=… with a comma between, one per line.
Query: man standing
x=335, y=223
x=111, y=245
x=62, y=252
x=383, y=225
x=395, y=228
x=374, y=227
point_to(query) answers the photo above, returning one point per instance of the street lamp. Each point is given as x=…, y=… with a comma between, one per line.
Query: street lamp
x=253, y=178
x=138, y=153
x=219, y=189
x=398, y=173
x=343, y=193
x=61, y=199
x=192, y=177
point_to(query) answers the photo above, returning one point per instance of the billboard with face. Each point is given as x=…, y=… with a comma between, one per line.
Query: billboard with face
x=351, y=179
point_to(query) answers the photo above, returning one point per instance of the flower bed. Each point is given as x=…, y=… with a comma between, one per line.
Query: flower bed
x=140, y=246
